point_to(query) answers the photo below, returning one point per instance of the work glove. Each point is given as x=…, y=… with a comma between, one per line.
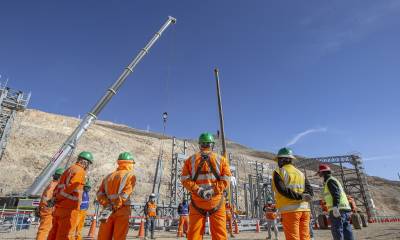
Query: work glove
x=105, y=213
x=205, y=193
x=51, y=203
x=306, y=197
x=336, y=212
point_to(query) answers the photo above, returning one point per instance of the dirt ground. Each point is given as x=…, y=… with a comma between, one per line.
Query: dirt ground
x=385, y=231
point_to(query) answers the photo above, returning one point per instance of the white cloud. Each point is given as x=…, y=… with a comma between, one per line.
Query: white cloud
x=382, y=157
x=299, y=136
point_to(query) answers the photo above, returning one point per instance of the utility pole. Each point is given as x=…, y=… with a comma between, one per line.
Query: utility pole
x=159, y=167
x=221, y=124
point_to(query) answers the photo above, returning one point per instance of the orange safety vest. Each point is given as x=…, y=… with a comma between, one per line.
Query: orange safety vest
x=206, y=178
x=151, y=209
x=68, y=192
x=270, y=212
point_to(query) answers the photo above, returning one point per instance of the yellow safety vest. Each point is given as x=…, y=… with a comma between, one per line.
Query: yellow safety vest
x=343, y=202
x=293, y=179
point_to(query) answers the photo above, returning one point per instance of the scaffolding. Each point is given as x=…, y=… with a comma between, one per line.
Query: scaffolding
x=349, y=169
x=177, y=191
x=11, y=101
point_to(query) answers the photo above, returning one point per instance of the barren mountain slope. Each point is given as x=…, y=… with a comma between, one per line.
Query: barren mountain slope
x=37, y=135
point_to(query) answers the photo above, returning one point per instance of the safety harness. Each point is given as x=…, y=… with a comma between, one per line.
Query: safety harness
x=205, y=159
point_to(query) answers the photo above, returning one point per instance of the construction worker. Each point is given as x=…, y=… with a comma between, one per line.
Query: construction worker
x=183, y=211
x=83, y=209
x=271, y=214
x=337, y=203
x=67, y=197
x=46, y=212
x=292, y=194
x=114, y=195
x=150, y=211
x=206, y=175
x=229, y=211
x=353, y=204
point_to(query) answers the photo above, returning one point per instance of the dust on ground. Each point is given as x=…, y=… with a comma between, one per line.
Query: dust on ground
x=386, y=231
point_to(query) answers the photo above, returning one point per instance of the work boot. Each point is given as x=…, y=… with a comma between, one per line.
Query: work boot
x=232, y=236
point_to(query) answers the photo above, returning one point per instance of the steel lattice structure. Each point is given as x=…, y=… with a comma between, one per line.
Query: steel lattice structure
x=11, y=101
x=349, y=169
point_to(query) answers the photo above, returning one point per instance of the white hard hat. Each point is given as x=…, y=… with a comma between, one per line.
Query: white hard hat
x=153, y=195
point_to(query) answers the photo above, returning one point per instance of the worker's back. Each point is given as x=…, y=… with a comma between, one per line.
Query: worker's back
x=69, y=190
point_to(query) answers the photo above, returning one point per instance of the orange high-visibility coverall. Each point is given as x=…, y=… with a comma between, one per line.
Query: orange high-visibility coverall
x=46, y=213
x=206, y=179
x=229, y=216
x=68, y=196
x=115, y=191
x=183, y=224
x=81, y=223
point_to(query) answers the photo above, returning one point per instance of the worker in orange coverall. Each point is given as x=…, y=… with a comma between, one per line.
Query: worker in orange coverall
x=229, y=210
x=46, y=212
x=183, y=211
x=293, y=193
x=67, y=198
x=206, y=175
x=114, y=195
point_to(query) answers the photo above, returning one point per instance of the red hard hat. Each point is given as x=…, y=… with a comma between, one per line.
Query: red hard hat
x=324, y=168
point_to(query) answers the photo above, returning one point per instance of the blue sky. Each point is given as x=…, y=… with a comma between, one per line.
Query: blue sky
x=322, y=77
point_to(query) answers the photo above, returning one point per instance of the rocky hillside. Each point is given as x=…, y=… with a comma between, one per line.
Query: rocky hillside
x=37, y=135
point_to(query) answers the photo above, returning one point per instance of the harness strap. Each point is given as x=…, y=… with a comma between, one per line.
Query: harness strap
x=205, y=158
x=210, y=212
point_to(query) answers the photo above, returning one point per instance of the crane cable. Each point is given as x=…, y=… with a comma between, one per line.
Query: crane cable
x=159, y=167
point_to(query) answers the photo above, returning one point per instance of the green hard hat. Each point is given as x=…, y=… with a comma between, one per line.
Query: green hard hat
x=206, y=138
x=59, y=171
x=87, y=183
x=86, y=155
x=286, y=153
x=126, y=156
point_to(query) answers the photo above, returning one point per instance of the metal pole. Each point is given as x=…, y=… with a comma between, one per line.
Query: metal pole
x=221, y=114
x=251, y=195
x=221, y=124
x=73, y=139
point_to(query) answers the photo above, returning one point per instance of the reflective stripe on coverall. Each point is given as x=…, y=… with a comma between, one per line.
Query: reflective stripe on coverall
x=68, y=195
x=82, y=215
x=46, y=213
x=115, y=190
x=206, y=179
x=295, y=213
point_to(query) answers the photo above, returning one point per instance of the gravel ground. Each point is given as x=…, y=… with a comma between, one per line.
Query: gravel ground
x=385, y=231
